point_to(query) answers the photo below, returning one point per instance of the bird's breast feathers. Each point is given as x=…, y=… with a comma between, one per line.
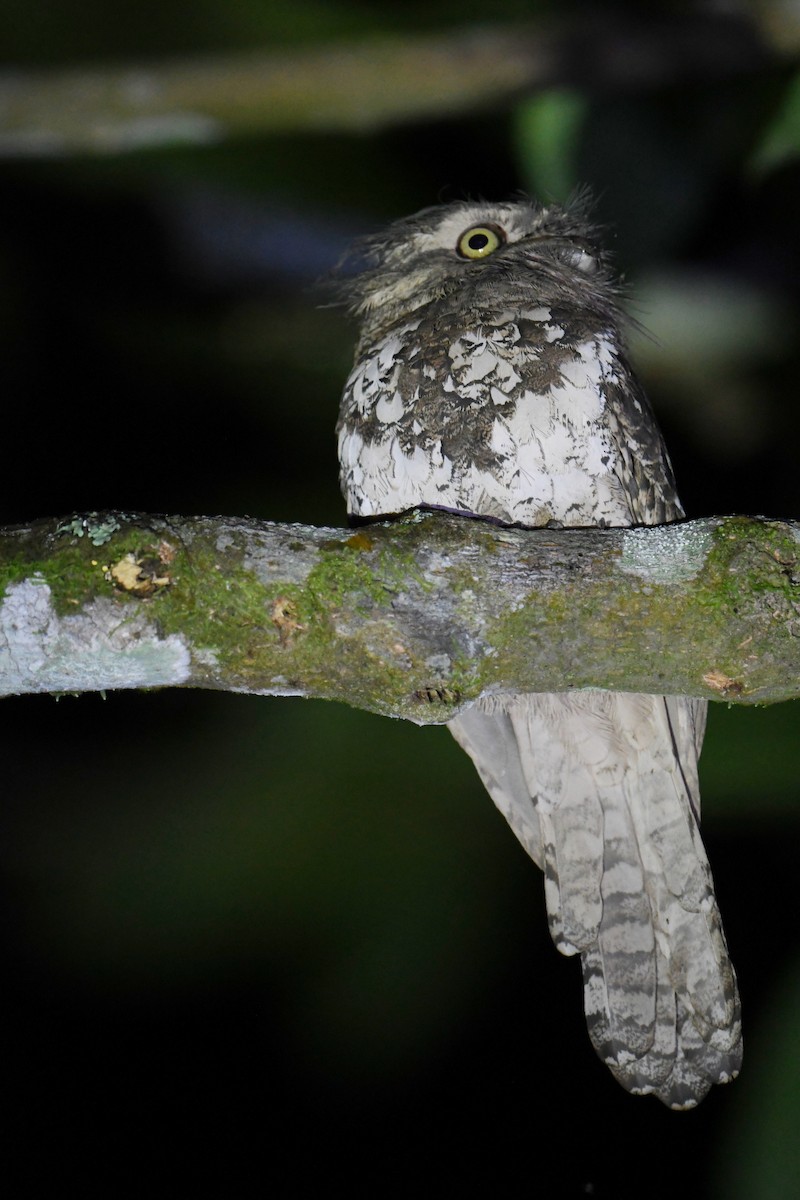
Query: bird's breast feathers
x=506, y=417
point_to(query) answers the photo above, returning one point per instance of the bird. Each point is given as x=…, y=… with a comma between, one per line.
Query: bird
x=491, y=379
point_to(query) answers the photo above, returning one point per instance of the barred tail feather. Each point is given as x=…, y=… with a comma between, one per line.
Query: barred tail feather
x=602, y=791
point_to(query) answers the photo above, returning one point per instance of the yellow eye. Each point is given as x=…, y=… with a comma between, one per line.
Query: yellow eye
x=479, y=241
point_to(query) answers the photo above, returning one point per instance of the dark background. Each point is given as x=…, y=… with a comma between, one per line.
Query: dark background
x=275, y=945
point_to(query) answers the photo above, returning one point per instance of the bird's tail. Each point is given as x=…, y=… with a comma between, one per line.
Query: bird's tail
x=601, y=789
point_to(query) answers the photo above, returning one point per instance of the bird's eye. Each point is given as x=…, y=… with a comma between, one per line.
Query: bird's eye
x=479, y=241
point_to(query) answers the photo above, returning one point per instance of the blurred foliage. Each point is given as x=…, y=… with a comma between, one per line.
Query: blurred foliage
x=761, y=1155
x=58, y=31
x=546, y=132
x=289, y=937
x=778, y=143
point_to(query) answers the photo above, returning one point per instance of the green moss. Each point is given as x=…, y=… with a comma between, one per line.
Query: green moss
x=348, y=579
x=232, y=618
x=15, y=571
x=748, y=557
x=73, y=572
x=346, y=570
x=638, y=623
x=356, y=574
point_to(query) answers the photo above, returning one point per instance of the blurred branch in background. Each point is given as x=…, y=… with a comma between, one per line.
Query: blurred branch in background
x=412, y=618
x=372, y=83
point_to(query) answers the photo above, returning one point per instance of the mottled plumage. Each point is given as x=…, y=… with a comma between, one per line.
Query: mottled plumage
x=490, y=378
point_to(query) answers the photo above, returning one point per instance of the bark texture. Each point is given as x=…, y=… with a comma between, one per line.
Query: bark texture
x=412, y=618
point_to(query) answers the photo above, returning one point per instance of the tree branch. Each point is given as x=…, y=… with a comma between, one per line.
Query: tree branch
x=411, y=618
x=370, y=83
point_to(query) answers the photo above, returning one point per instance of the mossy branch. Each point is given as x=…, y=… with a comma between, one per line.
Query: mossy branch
x=411, y=618
x=365, y=84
